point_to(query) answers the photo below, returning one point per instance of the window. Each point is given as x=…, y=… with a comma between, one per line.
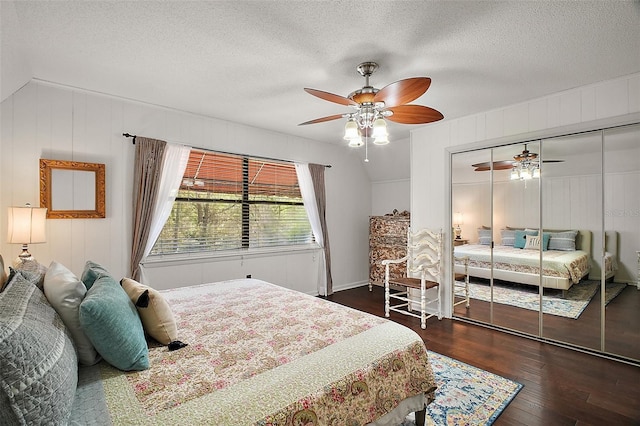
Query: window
x=229, y=202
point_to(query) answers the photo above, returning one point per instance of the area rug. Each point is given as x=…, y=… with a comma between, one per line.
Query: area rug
x=466, y=395
x=524, y=296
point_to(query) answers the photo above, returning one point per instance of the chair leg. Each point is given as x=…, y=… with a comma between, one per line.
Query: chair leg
x=386, y=292
x=439, y=304
x=423, y=306
x=466, y=290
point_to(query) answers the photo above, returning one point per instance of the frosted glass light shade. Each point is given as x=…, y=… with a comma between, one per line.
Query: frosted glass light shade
x=380, y=129
x=351, y=130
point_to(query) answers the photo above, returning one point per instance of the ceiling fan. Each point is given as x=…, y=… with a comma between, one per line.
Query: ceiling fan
x=371, y=106
x=522, y=160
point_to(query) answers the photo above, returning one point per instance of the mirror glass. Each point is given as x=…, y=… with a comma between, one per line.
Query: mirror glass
x=516, y=208
x=72, y=189
x=571, y=171
x=581, y=284
x=622, y=241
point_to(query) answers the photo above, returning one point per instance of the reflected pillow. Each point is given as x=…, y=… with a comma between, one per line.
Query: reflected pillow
x=532, y=242
x=519, y=241
x=508, y=237
x=484, y=236
x=564, y=241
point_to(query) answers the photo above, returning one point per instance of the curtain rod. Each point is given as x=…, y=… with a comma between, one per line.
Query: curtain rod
x=127, y=135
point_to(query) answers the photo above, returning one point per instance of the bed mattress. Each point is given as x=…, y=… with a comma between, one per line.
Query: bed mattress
x=570, y=265
x=261, y=354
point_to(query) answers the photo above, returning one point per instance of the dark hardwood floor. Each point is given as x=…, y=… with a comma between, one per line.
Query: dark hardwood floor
x=561, y=386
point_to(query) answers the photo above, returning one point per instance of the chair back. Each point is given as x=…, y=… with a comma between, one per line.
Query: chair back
x=424, y=253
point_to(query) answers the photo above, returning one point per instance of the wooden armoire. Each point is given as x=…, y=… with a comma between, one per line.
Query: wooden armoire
x=387, y=240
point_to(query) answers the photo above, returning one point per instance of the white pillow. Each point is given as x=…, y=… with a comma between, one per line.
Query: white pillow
x=65, y=292
x=532, y=242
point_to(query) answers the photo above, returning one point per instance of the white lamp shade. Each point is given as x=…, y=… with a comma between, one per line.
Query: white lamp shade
x=351, y=130
x=381, y=140
x=26, y=225
x=379, y=128
x=536, y=173
x=457, y=218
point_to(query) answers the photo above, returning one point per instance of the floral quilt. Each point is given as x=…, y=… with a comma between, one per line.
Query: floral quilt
x=565, y=264
x=260, y=354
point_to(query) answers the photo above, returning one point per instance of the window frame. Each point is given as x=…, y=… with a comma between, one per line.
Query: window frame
x=246, y=203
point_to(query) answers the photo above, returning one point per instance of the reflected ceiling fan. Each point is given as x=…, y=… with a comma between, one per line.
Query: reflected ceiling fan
x=371, y=107
x=525, y=165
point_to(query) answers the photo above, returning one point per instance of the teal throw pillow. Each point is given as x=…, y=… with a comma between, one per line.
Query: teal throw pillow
x=545, y=241
x=91, y=272
x=519, y=241
x=111, y=322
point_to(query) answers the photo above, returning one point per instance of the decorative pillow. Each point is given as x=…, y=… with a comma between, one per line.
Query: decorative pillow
x=65, y=292
x=39, y=370
x=92, y=271
x=3, y=274
x=565, y=240
x=112, y=324
x=519, y=240
x=484, y=236
x=532, y=242
x=508, y=237
x=155, y=313
x=35, y=269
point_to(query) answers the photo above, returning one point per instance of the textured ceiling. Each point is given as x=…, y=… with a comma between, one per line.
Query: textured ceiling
x=248, y=62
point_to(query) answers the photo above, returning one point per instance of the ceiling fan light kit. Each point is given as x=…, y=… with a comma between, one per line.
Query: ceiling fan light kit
x=374, y=107
x=525, y=166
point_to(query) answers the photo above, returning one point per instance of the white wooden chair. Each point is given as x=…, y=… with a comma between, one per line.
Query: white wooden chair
x=461, y=283
x=424, y=261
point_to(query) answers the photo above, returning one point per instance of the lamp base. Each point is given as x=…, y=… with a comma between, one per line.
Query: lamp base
x=458, y=232
x=22, y=258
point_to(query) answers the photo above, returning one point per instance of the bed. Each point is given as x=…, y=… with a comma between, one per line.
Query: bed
x=256, y=354
x=560, y=268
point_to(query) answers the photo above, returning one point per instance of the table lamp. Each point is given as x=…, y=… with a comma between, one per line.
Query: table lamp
x=26, y=226
x=457, y=221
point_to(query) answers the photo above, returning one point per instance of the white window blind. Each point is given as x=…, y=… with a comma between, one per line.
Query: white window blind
x=229, y=202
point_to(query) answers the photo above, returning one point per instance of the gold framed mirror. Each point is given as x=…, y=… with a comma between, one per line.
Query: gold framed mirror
x=72, y=189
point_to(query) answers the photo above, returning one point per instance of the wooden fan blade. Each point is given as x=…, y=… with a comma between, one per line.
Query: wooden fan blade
x=413, y=114
x=323, y=119
x=331, y=97
x=497, y=165
x=403, y=91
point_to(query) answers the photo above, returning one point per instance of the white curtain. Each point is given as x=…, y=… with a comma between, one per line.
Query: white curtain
x=174, y=165
x=310, y=205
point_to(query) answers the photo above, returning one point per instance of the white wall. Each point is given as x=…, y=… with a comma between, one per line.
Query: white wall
x=389, y=195
x=579, y=107
x=43, y=120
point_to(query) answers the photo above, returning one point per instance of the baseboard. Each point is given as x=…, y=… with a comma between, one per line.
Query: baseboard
x=349, y=286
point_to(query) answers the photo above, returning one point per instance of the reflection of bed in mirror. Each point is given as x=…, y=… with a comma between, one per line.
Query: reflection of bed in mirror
x=561, y=268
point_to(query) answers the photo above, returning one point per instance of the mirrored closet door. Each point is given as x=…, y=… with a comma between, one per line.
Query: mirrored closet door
x=551, y=231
